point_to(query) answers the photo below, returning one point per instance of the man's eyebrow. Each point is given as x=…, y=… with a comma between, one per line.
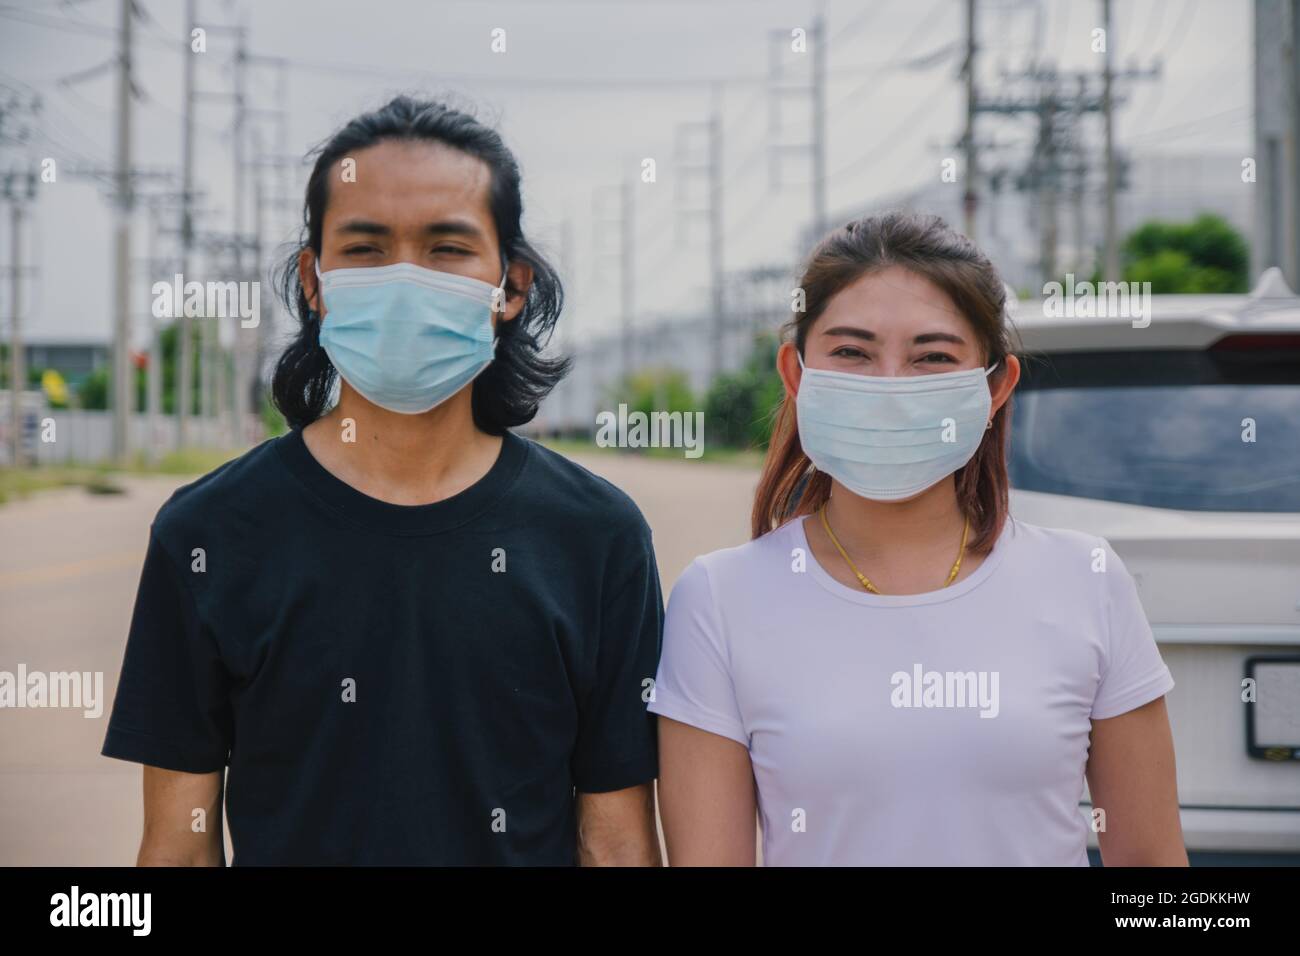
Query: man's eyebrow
x=448, y=227
x=365, y=227
x=454, y=227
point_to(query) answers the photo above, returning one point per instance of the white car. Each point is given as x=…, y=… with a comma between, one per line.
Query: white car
x=1179, y=442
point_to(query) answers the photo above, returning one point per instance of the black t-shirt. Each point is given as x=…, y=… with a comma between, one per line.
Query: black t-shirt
x=395, y=684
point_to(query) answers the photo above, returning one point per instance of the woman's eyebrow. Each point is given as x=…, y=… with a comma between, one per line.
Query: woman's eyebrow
x=927, y=337
x=853, y=332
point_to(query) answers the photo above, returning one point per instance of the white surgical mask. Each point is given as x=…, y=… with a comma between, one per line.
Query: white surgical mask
x=406, y=337
x=889, y=438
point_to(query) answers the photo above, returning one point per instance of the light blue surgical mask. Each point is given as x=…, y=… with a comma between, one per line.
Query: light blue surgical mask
x=405, y=337
x=889, y=438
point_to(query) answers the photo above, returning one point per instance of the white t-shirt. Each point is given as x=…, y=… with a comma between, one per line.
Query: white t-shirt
x=947, y=728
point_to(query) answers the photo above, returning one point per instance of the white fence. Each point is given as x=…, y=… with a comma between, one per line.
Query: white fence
x=86, y=437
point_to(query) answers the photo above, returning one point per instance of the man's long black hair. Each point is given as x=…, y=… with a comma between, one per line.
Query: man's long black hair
x=509, y=390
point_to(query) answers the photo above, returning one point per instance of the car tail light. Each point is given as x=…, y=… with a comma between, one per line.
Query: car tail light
x=1245, y=342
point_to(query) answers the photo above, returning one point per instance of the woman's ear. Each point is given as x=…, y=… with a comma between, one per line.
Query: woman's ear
x=787, y=366
x=1003, y=381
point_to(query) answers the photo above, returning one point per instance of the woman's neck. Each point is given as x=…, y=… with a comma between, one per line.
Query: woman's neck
x=903, y=547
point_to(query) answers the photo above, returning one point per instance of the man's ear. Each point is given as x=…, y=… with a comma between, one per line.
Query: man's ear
x=307, y=277
x=519, y=276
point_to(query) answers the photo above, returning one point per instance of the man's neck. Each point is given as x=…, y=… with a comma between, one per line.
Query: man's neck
x=403, y=459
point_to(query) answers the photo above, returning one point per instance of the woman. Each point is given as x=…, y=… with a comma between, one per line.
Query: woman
x=894, y=671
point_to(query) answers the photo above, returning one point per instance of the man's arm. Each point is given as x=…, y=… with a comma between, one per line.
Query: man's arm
x=617, y=828
x=173, y=834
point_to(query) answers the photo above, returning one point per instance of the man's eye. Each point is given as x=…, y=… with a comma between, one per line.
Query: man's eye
x=456, y=250
x=938, y=357
x=360, y=250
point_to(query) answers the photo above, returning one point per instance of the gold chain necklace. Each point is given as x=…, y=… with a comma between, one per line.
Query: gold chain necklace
x=862, y=578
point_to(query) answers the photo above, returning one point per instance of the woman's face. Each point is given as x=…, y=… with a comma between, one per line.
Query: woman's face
x=893, y=323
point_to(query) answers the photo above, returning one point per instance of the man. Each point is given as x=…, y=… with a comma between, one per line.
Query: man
x=412, y=636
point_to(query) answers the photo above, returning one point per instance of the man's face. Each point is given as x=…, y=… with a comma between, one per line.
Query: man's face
x=418, y=202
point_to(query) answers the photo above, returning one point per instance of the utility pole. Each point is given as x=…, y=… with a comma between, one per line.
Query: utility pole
x=815, y=90
x=123, y=381
x=17, y=371
x=970, y=196
x=626, y=275
x=1277, y=139
x=1111, y=240
x=260, y=163
x=602, y=221
x=819, y=53
x=185, y=346
x=1048, y=182
x=712, y=211
x=1059, y=112
x=17, y=364
x=239, y=376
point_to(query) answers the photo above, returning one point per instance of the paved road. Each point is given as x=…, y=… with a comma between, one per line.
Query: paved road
x=69, y=566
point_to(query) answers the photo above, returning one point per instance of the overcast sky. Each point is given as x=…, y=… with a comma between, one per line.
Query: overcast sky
x=585, y=90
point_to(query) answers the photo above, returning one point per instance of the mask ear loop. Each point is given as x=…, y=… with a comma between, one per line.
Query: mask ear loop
x=501, y=287
x=320, y=296
x=987, y=372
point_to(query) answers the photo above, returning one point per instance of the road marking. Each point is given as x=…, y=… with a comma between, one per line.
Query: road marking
x=72, y=569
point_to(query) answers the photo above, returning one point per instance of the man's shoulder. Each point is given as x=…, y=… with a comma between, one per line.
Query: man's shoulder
x=230, y=491
x=562, y=490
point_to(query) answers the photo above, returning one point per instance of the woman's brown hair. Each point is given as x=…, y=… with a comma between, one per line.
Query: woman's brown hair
x=927, y=246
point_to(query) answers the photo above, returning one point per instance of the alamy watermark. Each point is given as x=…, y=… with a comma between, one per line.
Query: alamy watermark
x=213, y=300
x=922, y=688
x=1098, y=300
x=639, y=429
x=70, y=689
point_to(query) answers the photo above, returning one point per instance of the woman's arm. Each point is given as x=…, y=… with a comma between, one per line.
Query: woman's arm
x=706, y=797
x=1131, y=776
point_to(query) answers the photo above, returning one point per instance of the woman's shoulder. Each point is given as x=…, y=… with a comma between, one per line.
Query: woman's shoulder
x=1055, y=550
x=749, y=564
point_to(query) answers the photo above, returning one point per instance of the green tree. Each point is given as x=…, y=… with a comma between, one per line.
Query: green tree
x=1206, y=255
x=654, y=390
x=740, y=406
x=94, y=391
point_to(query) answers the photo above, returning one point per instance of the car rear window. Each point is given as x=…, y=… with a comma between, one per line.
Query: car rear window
x=1162, y=428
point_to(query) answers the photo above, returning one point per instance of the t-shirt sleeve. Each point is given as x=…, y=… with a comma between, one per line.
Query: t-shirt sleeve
x=172, y=708
x=616, y=745
x=1133, y=672
x=694, y=684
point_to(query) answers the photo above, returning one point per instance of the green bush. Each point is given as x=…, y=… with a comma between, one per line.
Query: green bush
x=1205, y=256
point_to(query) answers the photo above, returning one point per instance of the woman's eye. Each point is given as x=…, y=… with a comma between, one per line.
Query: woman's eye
x=848, y=351
x=454, y=250
x=359, y=250
x=938, y=357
